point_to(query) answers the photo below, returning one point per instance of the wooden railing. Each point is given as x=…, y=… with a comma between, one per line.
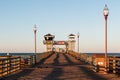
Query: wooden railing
x=114, y=64
x=31, y=60
x=81, y=56
x=28, y=61
x=74, y=54
x=9, y=65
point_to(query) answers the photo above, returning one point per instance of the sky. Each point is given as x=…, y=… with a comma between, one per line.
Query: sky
x=60, y=18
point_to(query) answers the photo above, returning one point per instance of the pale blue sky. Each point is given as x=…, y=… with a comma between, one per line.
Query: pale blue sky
x=61, y=18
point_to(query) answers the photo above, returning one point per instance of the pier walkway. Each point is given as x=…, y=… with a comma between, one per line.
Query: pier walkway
x=61, y=66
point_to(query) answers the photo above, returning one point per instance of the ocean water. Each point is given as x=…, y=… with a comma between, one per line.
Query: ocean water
x=23, y=55
x=31, y=54
x=108, y=54
x=3, y=54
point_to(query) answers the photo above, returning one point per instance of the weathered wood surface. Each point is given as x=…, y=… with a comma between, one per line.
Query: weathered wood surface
x=61, y=66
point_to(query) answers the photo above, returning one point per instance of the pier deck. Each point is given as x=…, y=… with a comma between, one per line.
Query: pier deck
x=61, y=66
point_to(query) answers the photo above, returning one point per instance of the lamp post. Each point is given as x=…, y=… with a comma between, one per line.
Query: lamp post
x=78, y=35
x=106, y=13
x=35, y=30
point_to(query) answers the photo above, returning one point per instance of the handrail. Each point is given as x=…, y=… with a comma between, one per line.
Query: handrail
x=98, y=68
x=29, y=61
x=114, y=64
x=9, y=65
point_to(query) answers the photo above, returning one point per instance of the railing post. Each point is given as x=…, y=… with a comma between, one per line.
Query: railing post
x=2, y=68
x=20, y=62
x=8, y=65
x=114, y=65
x=9, y=68
x=35, y=59
x=29, y=62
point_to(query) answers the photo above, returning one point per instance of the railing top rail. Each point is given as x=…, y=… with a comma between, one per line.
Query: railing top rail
x=7, y=58
x=114, y=58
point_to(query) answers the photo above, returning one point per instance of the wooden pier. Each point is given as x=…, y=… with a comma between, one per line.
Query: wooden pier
x=60, y=66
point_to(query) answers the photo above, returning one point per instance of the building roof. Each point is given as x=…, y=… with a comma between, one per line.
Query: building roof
x=71, y=35
x=48, y=34
x=49, y=37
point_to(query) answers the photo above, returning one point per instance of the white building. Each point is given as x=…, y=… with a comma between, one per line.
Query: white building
x=71, y=42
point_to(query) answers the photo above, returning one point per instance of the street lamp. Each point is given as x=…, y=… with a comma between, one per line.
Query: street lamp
x=78, y=35
x=35, y=30
x=106, y=13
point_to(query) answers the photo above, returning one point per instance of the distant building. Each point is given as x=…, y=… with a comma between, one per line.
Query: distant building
x=71, y=42
x=48, y=41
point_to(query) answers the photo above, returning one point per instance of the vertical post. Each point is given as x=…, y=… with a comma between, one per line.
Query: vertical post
x=47, y=47
x=105, y=13
x=78, y=41
x=20, y=62
x=35, y=30
x=106, y=43
x=71, y=46
x=35, y=40
x=114, y=64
